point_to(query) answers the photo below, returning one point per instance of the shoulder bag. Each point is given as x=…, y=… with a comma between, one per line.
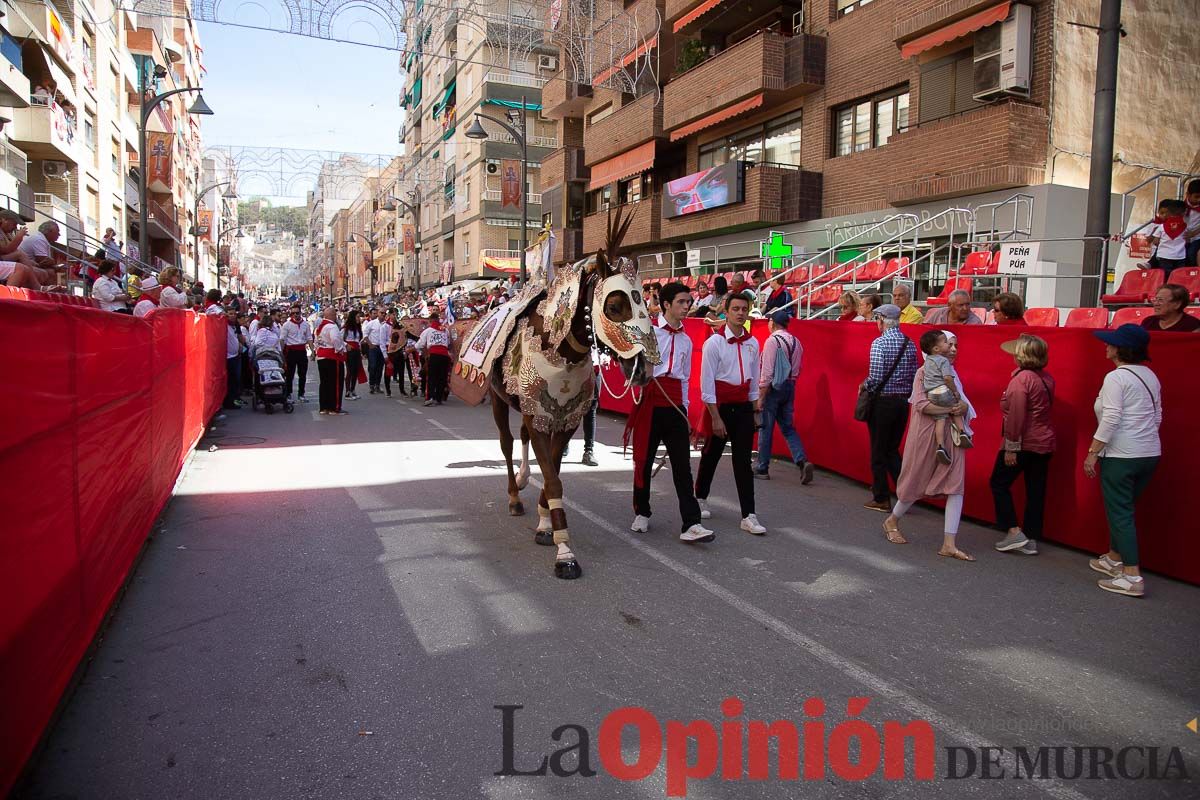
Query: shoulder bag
x=866, y=397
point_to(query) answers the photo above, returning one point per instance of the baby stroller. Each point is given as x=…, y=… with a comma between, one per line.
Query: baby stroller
x=268, y=382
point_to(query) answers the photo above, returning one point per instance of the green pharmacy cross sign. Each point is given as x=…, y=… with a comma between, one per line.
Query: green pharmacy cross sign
x=775, y=249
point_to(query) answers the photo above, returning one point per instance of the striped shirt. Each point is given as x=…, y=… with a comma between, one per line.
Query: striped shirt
x=883, y=354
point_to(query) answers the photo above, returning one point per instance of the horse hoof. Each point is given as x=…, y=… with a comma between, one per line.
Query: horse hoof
x=567, y=570
x=544, y=538
x=516, y=509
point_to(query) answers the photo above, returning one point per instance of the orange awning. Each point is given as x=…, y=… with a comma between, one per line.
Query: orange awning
x=695, y=13
x=729, y=112
x=631, y=162
x=509, y=265
x=955, y=30
x=627, y=60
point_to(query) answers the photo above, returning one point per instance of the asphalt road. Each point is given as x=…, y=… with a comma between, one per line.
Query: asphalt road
x=333, y=607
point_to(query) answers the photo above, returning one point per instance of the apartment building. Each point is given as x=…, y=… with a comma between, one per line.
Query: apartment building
x=71, y=74
x=821, y=121
x=367, y=218
x=460, y=64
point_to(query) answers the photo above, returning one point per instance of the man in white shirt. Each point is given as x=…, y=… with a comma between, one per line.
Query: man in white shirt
x=108, y=292
x=729, y=389
x=331, y=360
x=38, y=248
x=295, y=337
x=148, y=299
x=775, y=404
x=376, y=335
x=233, y=357
x=661, y=417
x=434, y=345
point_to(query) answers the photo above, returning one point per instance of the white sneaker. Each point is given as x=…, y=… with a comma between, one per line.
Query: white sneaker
x=704, y=512
x=640, y=524
x=750, y=525
x=697, y=533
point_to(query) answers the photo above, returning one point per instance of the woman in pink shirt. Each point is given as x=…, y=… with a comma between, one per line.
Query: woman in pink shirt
x=1028, y=444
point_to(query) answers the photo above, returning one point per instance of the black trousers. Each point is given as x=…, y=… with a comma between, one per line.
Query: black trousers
x=233, y=380
x=330, y=391
x=375, y=362
x=297, y=361
x=739, y=427
x=353, y=365
x=1035, y=467
x=396, y=359
x=439, y=377
x=667, y=426
x=589, y=425
x=889, y=418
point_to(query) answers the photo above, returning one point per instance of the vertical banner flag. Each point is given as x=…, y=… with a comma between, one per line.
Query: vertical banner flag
x=205, y=225
x=160, y=151
x=510, y=183
x=410, y=239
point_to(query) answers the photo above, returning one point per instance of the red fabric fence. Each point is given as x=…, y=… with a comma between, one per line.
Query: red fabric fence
x=97, y=414
x=835, y=362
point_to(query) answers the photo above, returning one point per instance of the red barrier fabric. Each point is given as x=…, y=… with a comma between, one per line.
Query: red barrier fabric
x=99, y=411
x=835, y=363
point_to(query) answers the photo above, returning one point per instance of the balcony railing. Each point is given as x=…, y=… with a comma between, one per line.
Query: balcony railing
x=53, y=201
x=489, y=253
x=515, y=79
x=534, y=141
x=14, y=162
x=161, y=216
x=496, y=195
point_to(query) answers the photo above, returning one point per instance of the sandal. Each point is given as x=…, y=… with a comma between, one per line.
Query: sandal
x=893, y=533
x=957, y=554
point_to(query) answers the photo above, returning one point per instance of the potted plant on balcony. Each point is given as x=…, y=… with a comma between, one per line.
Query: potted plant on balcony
x=693, y=53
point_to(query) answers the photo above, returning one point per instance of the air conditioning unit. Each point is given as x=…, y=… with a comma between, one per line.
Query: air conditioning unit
x=547, y=63
x=493, y=168
x=1004, y=56
x=55, y=169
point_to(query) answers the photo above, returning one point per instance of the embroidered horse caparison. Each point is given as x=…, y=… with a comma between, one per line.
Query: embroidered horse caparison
x=544, y=369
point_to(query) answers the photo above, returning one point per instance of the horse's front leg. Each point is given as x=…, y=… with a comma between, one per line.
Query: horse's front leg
x=548, y=450
x=500, y=414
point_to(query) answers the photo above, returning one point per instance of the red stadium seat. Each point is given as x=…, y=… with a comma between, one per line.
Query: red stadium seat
x=1189, y=278
x=953, y=284
x=979, y=263
x=1137, y=286
x=897, y=267
x=1134, y=314
x=796, y=276
x=873, y=271
x=1193, y=311
x=1042, y=317
x=1087, y=318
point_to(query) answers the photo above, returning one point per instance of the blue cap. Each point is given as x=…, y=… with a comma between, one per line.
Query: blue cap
x=1128, y=335
x=781, y=318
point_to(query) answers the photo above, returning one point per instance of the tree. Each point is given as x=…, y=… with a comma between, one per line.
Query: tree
x=287, y=218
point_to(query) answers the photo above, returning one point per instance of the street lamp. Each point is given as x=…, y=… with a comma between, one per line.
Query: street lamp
x=221, y=236
x=371, y=242
x=230, y=194
x=477, y=131
x=413, y=208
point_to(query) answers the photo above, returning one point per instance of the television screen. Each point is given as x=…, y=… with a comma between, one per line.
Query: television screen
x=700, y=191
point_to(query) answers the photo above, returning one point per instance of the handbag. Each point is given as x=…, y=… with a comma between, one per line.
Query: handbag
x=866, y=397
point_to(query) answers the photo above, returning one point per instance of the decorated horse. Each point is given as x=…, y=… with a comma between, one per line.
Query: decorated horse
x=534, y=354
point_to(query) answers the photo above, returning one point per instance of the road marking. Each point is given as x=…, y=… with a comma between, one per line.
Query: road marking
x=876, y=684
x=418, y=411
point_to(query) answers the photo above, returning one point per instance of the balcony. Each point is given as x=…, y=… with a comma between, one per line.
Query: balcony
x=44, y=132
x=631, y=125
x=41, y=20
x=774, y=195
x=564, y=165
x=495, y=196
x=646, y=228
x=762, y=71
x=14, y=86
x=550, y=142
x=53, y=207
x=564, y=98
x=162, y=224
x=515, y=79
x=14, y=162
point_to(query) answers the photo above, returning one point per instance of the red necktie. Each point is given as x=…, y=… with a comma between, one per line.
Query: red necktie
x=671, y=357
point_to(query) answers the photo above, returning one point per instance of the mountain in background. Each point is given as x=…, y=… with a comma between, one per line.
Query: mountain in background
x=293, y=219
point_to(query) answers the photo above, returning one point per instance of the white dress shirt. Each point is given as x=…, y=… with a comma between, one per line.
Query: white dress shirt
x=676, y=352
x=173, y=298
x=433, y=337
x=108, y=293
x=330, y=336
x=293, y=334
x=144, y=307
x=377, y=333
x=724, y=360
x=215, y=309
x=1129, y=413
x=233, y=347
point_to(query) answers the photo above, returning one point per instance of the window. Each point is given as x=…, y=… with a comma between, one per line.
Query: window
x=947, y=85
x=845, y=7
x=777, y=141
x=630, y=191
x=599, y=200
x=600, y=114
x=869, y=123
x=466, y=241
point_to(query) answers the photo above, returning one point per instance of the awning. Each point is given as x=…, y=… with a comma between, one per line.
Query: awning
x=512, y=104
x=61, y=82
x=956, y=30
x=633, y=56
x=631, y=162
x=695, y=14
x=416, y=93
x=440, y=106
x=729, y=112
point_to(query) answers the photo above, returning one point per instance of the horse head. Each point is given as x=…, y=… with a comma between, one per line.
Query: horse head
x=613, y=296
